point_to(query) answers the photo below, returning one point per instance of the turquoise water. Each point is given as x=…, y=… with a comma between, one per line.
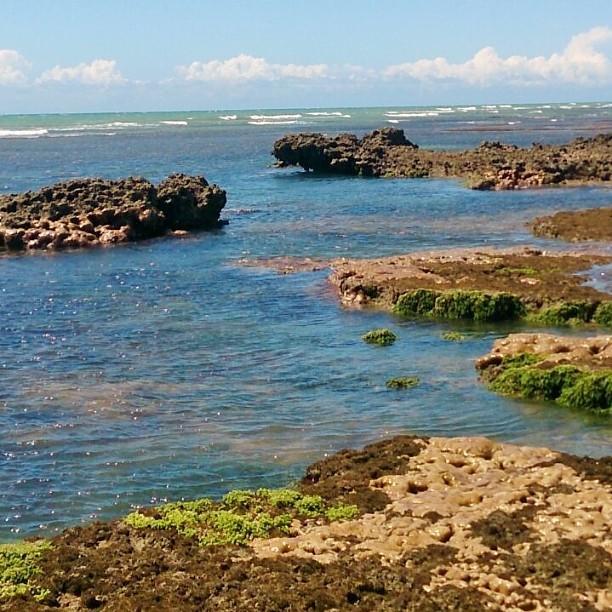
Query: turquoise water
x=165, y=369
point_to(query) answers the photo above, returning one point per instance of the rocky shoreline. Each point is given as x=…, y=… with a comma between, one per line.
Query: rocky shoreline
x=576, y=225
x=493, y=165
x=574, y=372
x=90, y=212
x=491, y=285
x=435, y=524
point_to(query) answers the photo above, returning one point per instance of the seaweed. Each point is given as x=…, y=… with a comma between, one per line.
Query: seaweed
x=523, y=376
x=459, y=304
x=382, y=337
x=403, y=382
x=240, y=516
x=18, y=566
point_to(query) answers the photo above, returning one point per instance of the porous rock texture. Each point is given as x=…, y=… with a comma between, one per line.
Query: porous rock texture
x=592, y=353
x=90, y=212
x=464, y=524
x=576, y=225
x=492, y=165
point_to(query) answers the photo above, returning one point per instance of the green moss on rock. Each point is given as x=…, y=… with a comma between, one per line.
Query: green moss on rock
x=240, y=516
x=417, y=303
x=403, y=382
x=522, y=376
x=382, y=337
x=459, y=304
x=603, y=314
x=565, y=313
x=18, y=567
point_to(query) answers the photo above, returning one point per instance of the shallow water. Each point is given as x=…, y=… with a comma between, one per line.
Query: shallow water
x=165, y=370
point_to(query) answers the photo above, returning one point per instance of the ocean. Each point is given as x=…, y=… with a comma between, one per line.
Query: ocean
x=166, y=369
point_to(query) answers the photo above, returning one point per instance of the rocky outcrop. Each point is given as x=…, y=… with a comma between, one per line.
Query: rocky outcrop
x=573, y=372
x=90, y=212
x=492, y=165
x=576, y=225
x=438, y=524
x=490, y=285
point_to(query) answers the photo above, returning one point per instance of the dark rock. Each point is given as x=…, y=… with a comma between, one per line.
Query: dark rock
x=492, y=165
x=89, y=212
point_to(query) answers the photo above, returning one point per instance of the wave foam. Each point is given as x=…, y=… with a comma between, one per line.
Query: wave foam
x=31, y=133
x=228, y=117
x=174, y=122
x=264, y=122
x=273, y=117
x=328, y=114
x=398, y=115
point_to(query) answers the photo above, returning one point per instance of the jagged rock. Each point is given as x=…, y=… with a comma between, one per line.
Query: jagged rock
x=93, y=211
x=492, y=165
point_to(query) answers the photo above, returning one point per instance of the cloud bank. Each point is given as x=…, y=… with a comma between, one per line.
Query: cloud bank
x=13, y=67
x=97, y=72
x=248, y=68
x=580, y=62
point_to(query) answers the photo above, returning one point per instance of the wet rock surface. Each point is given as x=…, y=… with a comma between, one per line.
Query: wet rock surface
x=458, y=524
x=574, y=226
x=82, y=213
x=492, y=165
x=528, y=281
x=573, y=372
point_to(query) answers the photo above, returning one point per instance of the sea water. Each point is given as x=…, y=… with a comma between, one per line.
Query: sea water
x=167, y=370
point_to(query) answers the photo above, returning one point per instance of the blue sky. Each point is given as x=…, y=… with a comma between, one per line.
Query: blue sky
x=97, y=55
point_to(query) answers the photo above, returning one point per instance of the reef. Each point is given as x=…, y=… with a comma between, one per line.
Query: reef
x=493, y=165
x=573, y=372
x=89, y=212
x=576, y=225
x=408, y=523
x=485, y=286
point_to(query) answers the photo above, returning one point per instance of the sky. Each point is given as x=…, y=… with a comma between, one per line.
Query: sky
x=142, y=55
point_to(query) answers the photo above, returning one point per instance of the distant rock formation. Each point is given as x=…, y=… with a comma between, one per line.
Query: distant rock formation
x=91, y=212
x=492, y=165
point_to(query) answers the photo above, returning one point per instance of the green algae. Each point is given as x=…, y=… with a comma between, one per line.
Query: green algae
x=527, y=271
x=19, y=566
x=460, y=304
x=453, y=336
x=564, y=313
x=403, y=382
x=382, y=337
x=240, y=516
x=568, y=385
x=603, y=314
x=481, y=306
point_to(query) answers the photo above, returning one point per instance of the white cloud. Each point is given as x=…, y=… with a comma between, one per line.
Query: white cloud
x=248, y=68
x=97, y=72
x=12, y=67
x=580, y=62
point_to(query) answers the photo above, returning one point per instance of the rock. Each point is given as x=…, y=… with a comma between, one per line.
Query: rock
x=92, y=212
x=576, y=225
x=492, y=165
x=573, y=372
x=492, y=285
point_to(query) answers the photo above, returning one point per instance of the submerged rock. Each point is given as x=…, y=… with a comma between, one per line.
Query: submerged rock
x=90, y=212
x=382, y=337
x=406, y=523
x=492, y=165
x=576, y=225
x=574, y=372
